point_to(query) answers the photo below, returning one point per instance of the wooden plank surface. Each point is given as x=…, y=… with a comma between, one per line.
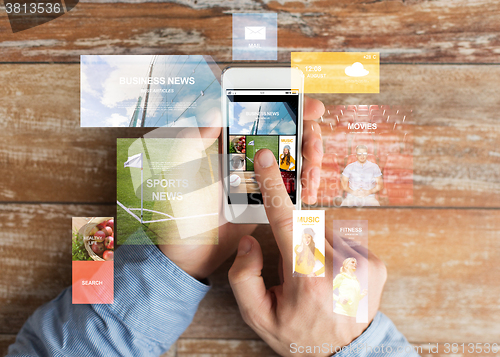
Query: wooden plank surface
x=402, y=31
x=442, y=270
x=198, y=347
x=204, y=347
x=51, y=159
x=35, y=245
x=5, y=342
x=188, y=347
x=441, y=259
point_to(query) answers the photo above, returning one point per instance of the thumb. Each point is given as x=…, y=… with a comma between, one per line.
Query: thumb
x=248, y=285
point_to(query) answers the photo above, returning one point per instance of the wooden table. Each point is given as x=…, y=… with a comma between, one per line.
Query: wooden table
x=439, y=57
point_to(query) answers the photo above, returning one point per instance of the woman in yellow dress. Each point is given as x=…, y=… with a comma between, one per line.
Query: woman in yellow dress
x=349, y=289
x=308, y=256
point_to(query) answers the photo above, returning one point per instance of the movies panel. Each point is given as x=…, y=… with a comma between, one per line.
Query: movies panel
x=368, y=157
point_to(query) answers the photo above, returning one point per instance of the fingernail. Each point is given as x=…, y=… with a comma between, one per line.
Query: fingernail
x=318, y=145
x=245, y=246
x=266, y=158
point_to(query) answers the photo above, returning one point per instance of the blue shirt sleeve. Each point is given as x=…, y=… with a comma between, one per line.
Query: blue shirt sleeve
x=154, y=302
x=381, y=338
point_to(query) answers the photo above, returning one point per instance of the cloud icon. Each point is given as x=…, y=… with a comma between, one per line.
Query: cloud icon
x=356, y=70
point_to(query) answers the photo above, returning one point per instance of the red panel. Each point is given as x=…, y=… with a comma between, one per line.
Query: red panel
x=363, y=139
x=352, y=158
x=398, y=179
x=93, y=282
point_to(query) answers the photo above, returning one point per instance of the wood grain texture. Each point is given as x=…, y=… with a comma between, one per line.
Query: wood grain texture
x=5, y=342
x=172, y=352
x=35, y=245
x=188, y=347
x=402, y=31
x=205, y=348
x=442, y=268
x=442, y=271
x=442, y=263
x=47, y=157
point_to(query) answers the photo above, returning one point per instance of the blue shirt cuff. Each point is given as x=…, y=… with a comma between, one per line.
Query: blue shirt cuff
x=381, y=338
x=152, y=294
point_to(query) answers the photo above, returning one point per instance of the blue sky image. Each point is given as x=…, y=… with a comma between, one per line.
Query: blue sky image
x=107, y=101
x=261, y=118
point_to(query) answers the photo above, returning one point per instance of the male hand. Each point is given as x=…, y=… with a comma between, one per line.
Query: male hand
x=361, y=193
x=200, y=261
x=357, y=193
x=300, y=310
x=364, y=193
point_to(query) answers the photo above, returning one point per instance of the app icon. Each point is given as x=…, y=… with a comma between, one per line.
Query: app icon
x=255, y=37
x=255, y=33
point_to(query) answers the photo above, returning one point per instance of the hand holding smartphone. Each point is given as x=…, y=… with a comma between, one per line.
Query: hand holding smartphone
x=262, y=108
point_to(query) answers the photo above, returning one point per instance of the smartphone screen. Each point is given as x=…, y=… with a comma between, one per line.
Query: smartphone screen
x=258, y=119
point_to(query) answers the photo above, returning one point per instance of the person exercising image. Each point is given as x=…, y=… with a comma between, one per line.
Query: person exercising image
x=350, y=294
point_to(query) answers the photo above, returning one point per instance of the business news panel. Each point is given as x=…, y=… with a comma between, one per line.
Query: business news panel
x=148, y=91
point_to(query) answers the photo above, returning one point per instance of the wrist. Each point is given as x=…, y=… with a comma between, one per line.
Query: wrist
x=182, y=257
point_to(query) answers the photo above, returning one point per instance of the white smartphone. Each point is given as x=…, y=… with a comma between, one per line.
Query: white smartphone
x=261, y=108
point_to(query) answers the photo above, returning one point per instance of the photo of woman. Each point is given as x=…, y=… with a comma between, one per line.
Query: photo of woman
x=349, y=289
x=309, y=261
x=287, y=168
x=286, y=160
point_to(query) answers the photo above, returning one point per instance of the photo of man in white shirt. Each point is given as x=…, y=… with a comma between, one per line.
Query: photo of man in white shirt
x=361, y=180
